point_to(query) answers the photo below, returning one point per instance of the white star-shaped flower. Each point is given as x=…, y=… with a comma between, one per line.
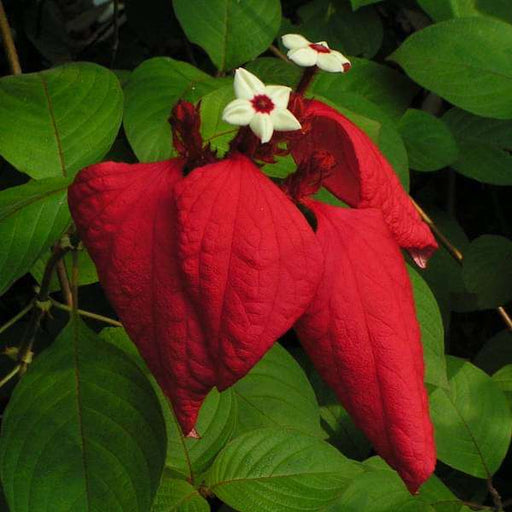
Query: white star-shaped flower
x=305, y=53
x=262, y=107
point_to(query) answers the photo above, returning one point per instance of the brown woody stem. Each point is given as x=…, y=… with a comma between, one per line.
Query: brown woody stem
x=10, y=48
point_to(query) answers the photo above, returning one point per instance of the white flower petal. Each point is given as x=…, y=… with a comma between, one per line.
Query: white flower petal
x=262, y=126
x=238, y=112
x=247, y=85
x=323, y=43
x=332, y=62
x=294, y=41
x=304, y=56
x=279, y=94
x=284, y=121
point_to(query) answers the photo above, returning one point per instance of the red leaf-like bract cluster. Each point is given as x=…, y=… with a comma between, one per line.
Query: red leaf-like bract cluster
x=208, y=263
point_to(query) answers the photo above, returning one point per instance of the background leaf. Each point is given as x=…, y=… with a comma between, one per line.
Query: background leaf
x=275, y=393
x=485, y=146
x=503, y=379
x=32, y=217
x=275, y=470
x=465, y=61
x=440, y=10
x=487, y=270
x=230, y=31
x=151, y=92
x=464, y=441
x=55, y=122
x=429, y=142
x=496, y=352
x=432, y=333
x=178, y=496
x=86, y=415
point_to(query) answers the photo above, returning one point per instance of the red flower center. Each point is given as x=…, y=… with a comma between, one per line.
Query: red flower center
x=320, y=48
x=263, y=104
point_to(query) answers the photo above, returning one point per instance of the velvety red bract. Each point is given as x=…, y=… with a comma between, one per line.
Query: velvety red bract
x=127, y=219
x=361, y=332
x=361, y=176
x=251, y=261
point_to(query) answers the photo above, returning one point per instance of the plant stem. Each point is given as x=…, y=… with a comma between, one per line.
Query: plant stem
x=277, y=52
x=456, y=255
x=38, y=312
x=496, y=498
x=87, y=314
x=10, y=48
x=65, y=287
x=17, y=317
x=10, y=375
x=307, y=77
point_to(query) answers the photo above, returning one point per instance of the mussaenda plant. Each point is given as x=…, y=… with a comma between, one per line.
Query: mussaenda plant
x=208, y=262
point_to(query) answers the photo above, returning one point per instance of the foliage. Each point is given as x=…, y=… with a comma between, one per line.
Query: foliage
x=87, y=427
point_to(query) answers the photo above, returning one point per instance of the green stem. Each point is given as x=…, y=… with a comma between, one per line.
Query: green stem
x=10, y=375
x=87, y=314
x=14, y=319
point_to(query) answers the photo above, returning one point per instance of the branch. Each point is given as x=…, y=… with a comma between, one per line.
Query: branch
x=456, y=255
x=9, y=47
x=86, y=314
x=17, y=317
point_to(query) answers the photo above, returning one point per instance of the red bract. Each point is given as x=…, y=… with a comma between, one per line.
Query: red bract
x=360, y=175
x=127, y=219
x=361, y=333
x=251, y=261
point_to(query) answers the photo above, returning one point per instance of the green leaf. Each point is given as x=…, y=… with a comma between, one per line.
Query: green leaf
x=503, y=379
x=429, y=142
x=231, y=32
x=32, y=217
x=390, y=90
x=368, y=116
x=55, y=122
x=432, y=333
x=496, y=352
x=472, y=420
x=87, y=273
x=151, y=92
x=275, y=71
x=360, y=3
x=485, y=146
x=440, y=10
x=85, y=415
x=433, y=492
x=465, y=61
x=274, y=470
x=276, y=392
x=357, y=33
x=487, y=270
x=187, y=457
x=343, y=433
x=379, y=491
x=178, y=496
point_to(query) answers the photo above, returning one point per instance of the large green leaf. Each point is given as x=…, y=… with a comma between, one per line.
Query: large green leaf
x=55, y=122
x=487, y=270
x=503, y=378
x=276, y=393
x=178, y=496
x=390, y=90
x=275, y=470
x=353, y=33
x=432, y=333
x=230, y=31
x=466, y=61
x=440, y=10
x=83, y=431
x=275, y=71
x=485, y=146
x=151, y=92
x=32, y=217
x=360, y=3
x=429, y=142
x=187, y=457
x=472, y=420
